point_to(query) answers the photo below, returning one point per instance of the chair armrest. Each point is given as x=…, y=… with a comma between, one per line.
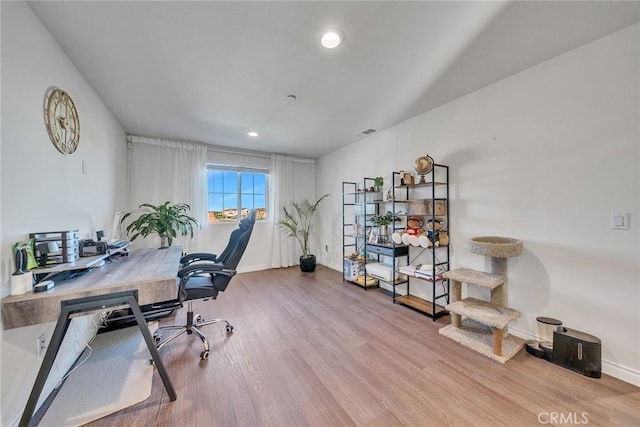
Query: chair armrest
x=204, y=267
x=197, y=256
x=197, y=269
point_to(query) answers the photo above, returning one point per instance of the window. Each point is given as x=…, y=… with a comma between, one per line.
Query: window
x=233, y=192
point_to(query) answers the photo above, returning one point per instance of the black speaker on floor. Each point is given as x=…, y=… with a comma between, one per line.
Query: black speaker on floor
x=578, y=351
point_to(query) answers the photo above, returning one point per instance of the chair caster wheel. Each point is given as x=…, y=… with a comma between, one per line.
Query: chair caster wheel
x=204, y=355
x=157, y=338
x=198, y=318
x=229, y=329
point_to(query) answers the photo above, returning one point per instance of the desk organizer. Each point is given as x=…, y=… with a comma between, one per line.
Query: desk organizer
x=68, y=241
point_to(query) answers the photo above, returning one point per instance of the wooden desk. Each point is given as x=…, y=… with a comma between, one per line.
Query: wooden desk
x=143, y=277
x=152, y=272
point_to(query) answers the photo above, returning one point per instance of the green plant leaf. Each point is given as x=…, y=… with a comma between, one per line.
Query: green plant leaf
x=164, y=219
x=298, y=222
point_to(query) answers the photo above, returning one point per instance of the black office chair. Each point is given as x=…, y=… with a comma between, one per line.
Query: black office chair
x=243, y=225
x=204, y=280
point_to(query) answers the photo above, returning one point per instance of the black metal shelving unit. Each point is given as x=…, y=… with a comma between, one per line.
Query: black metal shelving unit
x=433, y=195
x=358, y=205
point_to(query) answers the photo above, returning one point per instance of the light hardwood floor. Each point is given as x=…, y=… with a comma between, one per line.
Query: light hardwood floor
x=312, y=350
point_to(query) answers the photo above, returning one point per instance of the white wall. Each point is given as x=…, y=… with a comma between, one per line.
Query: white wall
x=546, y=156
x=41, y=189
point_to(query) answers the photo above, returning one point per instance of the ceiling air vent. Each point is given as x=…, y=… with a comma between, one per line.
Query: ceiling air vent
x=367, y=131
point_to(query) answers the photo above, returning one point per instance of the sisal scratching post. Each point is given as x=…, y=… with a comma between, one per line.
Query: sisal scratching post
x=500, y=295
x=456, y=319
x=497, y=341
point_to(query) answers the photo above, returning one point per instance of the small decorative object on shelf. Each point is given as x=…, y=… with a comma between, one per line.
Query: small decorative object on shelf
x=424, y=165
x=407, y=179
x=383, y=222
x=378, y=182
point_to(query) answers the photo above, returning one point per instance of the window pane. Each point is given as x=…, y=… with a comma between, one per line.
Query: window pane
x=231, y=201
x=259, y=201
x=259, y=183
x=210, y=179
x=217, y=182
x=247, y=201
x=230, y=182
x=246, y=183
x=215, y=201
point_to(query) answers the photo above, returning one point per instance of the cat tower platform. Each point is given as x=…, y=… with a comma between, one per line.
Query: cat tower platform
x=482, y=325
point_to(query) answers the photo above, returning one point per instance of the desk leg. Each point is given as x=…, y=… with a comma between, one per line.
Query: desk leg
x=81, y=305
x=49, y=357
x=153, y=350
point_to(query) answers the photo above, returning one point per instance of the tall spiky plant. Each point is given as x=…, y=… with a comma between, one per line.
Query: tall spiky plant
x=299, y=221
x=166, y=220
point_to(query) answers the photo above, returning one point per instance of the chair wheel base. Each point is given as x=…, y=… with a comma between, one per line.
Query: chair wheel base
x=204, y=355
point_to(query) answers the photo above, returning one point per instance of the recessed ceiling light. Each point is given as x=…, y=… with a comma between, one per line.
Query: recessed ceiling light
x=253, y=134
x=331, y=39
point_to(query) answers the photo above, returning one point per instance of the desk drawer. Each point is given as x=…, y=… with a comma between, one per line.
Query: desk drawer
x=387, y=250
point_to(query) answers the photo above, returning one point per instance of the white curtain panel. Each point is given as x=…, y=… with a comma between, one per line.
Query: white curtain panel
x=283, y=250
x=162, y=170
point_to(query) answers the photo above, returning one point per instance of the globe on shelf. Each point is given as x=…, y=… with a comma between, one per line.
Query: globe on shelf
x=424, y=165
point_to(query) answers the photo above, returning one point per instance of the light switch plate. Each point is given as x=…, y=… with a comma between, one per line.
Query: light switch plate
x=619, y=221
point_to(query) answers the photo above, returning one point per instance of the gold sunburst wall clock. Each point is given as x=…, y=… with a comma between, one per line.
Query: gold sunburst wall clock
x=61, y=119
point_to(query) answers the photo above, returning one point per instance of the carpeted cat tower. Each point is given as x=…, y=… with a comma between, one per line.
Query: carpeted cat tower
x=482, y=325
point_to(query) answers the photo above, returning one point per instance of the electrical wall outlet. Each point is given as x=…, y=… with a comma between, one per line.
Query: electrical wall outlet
x=42, y=345
x=620, y=220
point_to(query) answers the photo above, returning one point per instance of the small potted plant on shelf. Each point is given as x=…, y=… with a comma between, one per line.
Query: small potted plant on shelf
x=299, y=222
x=383, y=221
x=378, y=182
x=167, y=220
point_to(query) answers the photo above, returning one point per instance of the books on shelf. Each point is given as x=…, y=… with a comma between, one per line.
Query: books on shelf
x=424, y=272
x=409, y=270
x=427, y=275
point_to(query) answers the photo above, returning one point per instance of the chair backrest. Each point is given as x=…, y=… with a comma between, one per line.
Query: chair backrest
x=244, y=225
x=221, y=281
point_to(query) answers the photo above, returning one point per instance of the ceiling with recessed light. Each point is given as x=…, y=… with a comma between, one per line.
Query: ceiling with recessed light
x=214, y=71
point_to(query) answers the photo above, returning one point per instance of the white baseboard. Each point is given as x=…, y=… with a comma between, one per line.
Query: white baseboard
x=621, y=372
x=252, y=268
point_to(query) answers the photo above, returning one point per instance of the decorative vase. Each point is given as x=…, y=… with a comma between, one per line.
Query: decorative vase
x=308, y=263
x=163, y=241
x=383, y=233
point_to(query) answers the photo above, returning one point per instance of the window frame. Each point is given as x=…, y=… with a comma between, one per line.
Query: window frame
x=219, y=167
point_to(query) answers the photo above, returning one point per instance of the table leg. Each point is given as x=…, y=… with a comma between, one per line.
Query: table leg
x=81, y=305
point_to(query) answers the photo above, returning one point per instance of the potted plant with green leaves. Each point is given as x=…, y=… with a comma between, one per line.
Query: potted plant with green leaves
x=167, y=220
x=298, y=222
x=378, y=182
x=383, y=221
